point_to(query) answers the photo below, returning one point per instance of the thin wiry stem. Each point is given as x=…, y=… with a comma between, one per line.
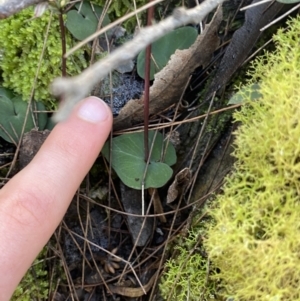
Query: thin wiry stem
x=147, y=86
x=63, y=44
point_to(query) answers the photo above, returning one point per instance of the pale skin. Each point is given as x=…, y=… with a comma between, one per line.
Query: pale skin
x=33, y=202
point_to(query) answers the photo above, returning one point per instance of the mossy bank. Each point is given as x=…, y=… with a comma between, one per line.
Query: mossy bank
x=32, y=52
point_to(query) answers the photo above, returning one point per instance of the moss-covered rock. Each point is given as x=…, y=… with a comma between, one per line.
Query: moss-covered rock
x=22, y=40
x=254, y=240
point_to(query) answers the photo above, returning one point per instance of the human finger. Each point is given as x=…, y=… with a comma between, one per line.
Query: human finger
x=34, y=201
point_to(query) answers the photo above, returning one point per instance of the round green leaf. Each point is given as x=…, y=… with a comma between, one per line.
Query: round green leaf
x=129, y=164
x=79, y=26
x=83, y=22
x=251, y=92
x=12, y=115
x=6, y=93
x=163, y=48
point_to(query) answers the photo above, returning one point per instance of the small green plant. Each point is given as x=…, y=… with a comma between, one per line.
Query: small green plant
x=35, y=284
x=12, y=116
x=187, y=276
x=163, y=48
x=83, y=21
x=128, y=160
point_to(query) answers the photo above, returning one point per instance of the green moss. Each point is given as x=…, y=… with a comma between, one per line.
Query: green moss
x=35, y=284
x=255, y=242
x=21, y=41
x=187, y=275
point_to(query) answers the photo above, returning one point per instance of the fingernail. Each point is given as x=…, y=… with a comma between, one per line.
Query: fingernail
x=93, y=110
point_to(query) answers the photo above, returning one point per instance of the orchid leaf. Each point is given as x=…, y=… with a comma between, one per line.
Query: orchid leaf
x=128, y=160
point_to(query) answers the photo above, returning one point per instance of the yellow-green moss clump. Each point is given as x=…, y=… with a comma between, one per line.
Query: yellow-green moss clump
x=21, y=43
x=186, y=276
x=254, y=243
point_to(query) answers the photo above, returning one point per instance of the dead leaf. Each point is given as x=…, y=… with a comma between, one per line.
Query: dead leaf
x=180, y=182
x=132, y=292
x=169, y=82
x=158, y=208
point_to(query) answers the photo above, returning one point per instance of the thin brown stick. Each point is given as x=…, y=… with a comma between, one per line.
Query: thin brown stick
x=66, y=269
x=198, y=202
x=63, y=45
x=161, y=126
x=99, y=26
x=113, y=255
x=168, y=239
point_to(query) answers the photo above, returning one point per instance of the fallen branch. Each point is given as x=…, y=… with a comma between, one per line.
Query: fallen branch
x=11, y=7
x=72, y=90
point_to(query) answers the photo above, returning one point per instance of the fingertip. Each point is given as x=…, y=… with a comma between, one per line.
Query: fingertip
x=93, y=110
x=84, y=133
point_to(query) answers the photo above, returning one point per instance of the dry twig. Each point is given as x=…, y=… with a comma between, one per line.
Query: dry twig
x=11, y=7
